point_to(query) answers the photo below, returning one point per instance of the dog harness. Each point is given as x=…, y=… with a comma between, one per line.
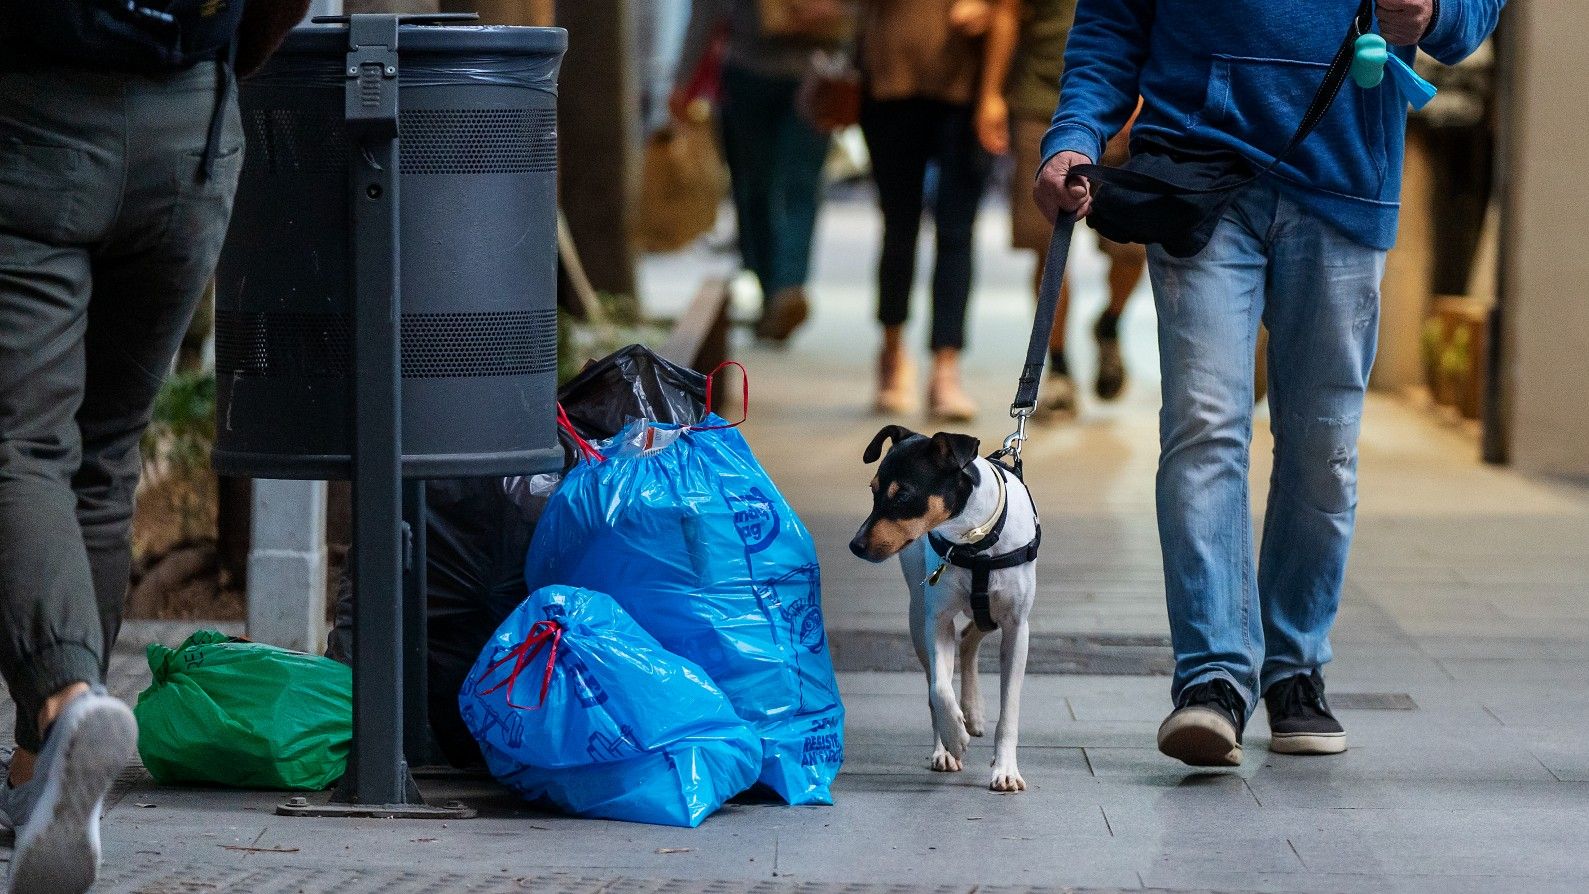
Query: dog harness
x=973, y=556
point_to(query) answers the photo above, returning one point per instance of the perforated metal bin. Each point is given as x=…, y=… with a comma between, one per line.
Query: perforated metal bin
x=477, y=198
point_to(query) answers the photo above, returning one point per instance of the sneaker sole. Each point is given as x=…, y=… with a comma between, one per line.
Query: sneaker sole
x=58, y=850
x=1308, y=743
x=1200, y=738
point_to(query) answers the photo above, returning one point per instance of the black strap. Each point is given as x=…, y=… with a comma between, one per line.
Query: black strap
x=1323, y=98
x=981, y=607
x=969, y=556
x=982, y=568
x=225, y=65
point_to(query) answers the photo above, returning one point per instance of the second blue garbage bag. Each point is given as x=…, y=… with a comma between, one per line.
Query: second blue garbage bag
x=684, y=528
x=573, y=703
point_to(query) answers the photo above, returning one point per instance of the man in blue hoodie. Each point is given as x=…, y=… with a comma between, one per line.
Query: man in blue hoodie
x=1302, y=251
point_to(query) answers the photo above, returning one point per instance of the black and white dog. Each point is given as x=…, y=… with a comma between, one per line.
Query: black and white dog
x=980, y=518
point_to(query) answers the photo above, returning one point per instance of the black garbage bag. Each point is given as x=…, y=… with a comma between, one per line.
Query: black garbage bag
x=477, y=530
x=628, y=384
x=475, y=538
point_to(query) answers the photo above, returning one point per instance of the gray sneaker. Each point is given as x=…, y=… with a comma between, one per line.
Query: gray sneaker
x=56, y=813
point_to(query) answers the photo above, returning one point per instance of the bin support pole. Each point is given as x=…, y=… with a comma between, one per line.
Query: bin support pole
x=378, y=782
x=377, y=769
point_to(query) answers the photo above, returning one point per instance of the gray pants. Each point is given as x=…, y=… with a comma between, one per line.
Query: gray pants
x=108, y=237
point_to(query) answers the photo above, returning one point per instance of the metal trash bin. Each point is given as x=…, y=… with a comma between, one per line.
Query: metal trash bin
x=478, y=224
x=386, y=310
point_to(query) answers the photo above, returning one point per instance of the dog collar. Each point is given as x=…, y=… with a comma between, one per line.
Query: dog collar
x=986, y=534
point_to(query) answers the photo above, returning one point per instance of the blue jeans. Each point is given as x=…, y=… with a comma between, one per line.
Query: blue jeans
x=1258, y=620
x=775, y=167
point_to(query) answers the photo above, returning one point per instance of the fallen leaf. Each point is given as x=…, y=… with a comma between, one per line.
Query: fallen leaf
x=423, y=840
x=674, y=850
x=259, y=850
x=141, y=804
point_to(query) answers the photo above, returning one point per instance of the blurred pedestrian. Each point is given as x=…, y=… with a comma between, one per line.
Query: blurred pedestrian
x=120, y=145
x=1302, y=251
x=922, y=67
x=1032, y=91
x=774, y=154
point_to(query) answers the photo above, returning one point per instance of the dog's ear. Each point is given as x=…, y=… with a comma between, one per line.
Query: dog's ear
x=895, y=433
x=952, y=451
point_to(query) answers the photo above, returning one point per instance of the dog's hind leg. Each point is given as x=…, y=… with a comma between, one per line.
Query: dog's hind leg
x=1012, y=673
x=970, y=682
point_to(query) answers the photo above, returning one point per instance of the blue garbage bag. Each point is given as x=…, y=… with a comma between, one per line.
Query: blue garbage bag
x=686, y=531
x=572, y=702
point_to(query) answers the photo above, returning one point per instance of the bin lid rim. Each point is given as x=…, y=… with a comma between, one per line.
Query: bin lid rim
x=443, y=39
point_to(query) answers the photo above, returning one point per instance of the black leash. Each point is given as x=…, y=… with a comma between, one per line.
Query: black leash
x=1037, y=348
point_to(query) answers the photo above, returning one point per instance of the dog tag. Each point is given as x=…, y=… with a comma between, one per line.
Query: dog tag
x=932, y=579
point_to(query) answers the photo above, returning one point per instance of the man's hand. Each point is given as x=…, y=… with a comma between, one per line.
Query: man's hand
x=1404, y=22
x=1058, y=191
x=993, y=124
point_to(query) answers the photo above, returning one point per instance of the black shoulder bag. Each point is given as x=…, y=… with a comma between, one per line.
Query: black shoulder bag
x=1174, y=196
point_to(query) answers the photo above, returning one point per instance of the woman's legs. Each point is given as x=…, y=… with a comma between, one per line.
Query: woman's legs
x=962, y=174
x=898, y=138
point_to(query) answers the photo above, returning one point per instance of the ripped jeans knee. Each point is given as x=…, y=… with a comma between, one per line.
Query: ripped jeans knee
x=1316, y=461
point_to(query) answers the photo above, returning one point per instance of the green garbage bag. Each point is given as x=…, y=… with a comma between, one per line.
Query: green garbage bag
x=231, y=712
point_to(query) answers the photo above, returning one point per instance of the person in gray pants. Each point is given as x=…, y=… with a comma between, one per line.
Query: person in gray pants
x=115, y=193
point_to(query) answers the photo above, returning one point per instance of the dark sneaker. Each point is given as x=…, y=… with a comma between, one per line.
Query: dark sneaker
x=1205, y=728
x=1111, y=366
x=784, y=314
x=1300, y=721
x=88, y=745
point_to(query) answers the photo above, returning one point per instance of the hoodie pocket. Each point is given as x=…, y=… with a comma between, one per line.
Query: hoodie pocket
x=1260, y=103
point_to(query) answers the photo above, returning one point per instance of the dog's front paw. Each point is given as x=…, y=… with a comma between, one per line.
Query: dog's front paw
x=1007, y=779
x=974, y=723
x=952, y=734
x=944, y=762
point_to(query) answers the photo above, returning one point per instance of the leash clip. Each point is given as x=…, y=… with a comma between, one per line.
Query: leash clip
x=1013, y=442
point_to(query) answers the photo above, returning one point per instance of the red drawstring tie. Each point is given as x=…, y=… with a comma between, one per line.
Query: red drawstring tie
x=585, y=447
x=541, y=633
x=744, y=404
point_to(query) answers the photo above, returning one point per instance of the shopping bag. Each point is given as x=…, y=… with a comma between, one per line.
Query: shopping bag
x=682, y=182
x=231, y=712
x=688, y=533
x=573, y=703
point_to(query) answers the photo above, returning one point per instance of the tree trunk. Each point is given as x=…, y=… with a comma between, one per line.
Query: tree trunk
x=599, y=123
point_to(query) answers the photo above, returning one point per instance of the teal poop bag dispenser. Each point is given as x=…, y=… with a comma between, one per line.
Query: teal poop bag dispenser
x=1370, y=62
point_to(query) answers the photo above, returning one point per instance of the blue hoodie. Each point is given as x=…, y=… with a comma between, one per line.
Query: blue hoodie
x=1240, y=74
